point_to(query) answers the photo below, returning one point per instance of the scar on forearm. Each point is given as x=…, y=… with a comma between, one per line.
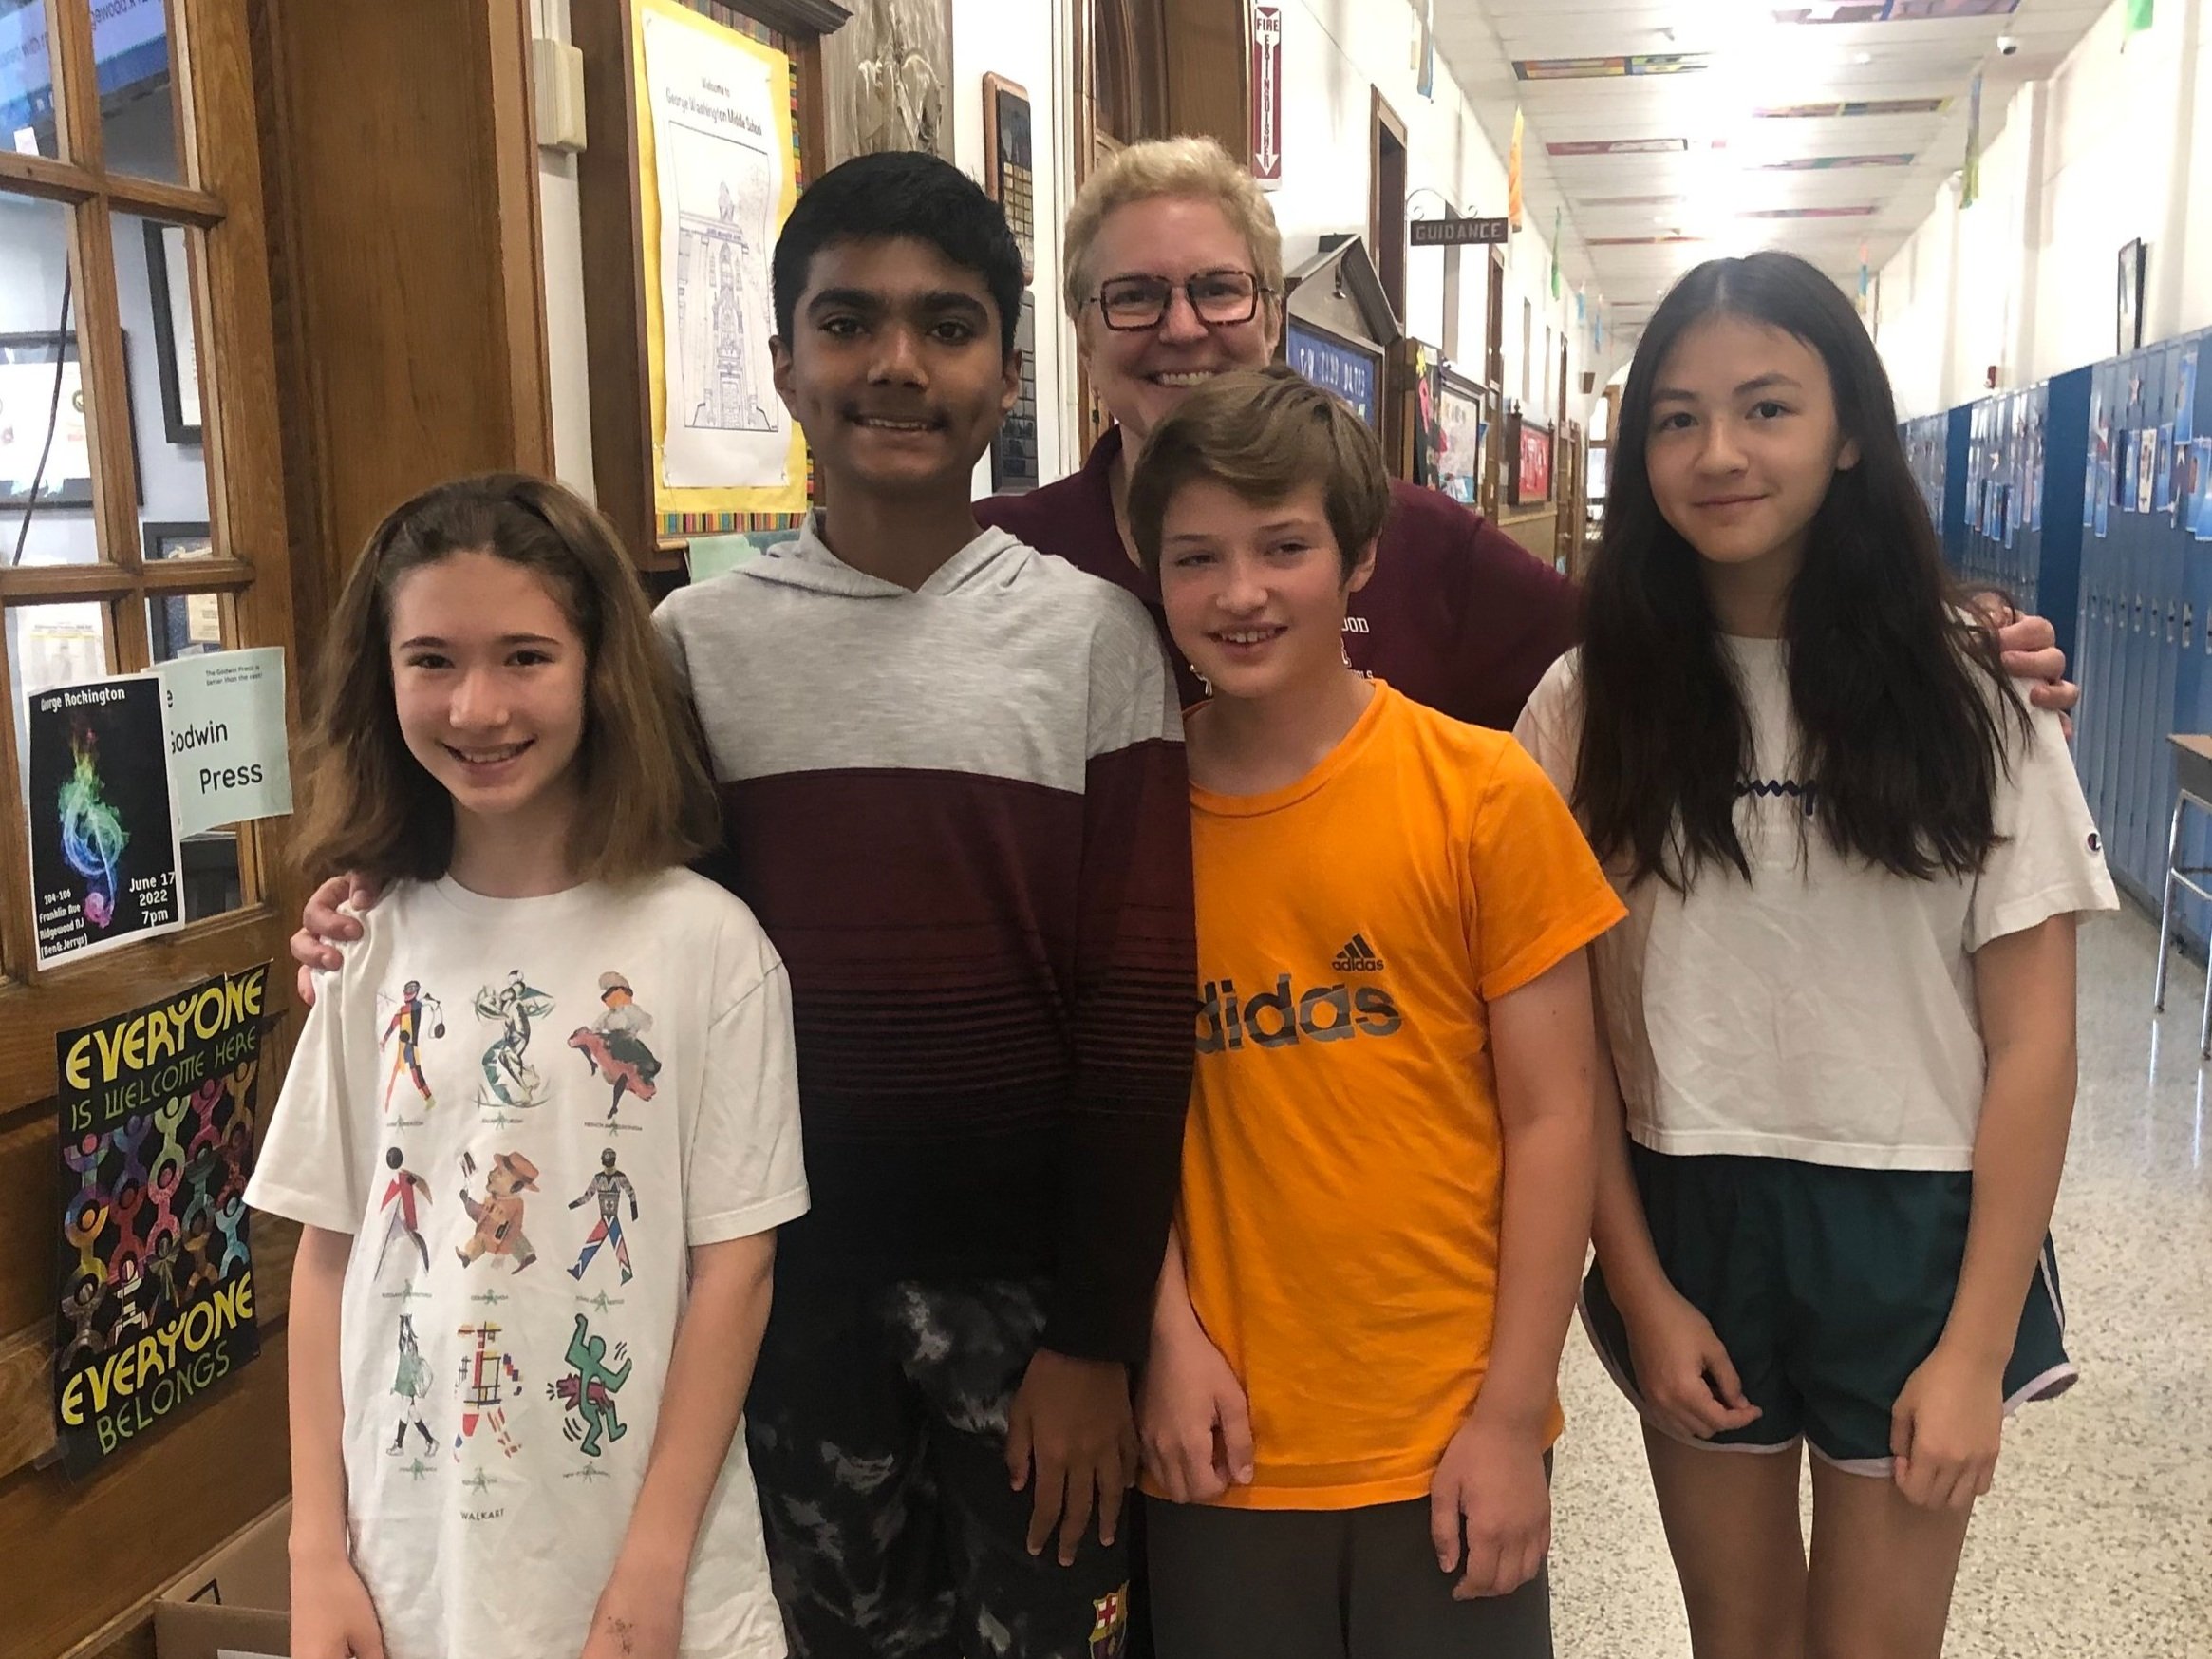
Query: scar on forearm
x=623, y=1631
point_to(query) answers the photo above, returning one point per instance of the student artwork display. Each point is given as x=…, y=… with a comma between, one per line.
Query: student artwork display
x=155, y=1273
x=1461, y=430
x=1425, y=418
x=718, y=174
x=1532, y=472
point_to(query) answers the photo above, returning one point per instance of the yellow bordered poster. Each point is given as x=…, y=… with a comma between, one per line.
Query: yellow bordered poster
x=716, y=176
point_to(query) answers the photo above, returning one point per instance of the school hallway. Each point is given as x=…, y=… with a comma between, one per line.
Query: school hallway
x=2097, y=1540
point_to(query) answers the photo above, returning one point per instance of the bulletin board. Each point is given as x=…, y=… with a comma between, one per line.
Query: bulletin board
x=718, y=170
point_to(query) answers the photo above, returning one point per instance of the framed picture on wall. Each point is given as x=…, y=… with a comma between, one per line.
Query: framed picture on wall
x=177, y=540
x=2130, y=297
x=45, y=450
x=175, y=345
x=887, y=80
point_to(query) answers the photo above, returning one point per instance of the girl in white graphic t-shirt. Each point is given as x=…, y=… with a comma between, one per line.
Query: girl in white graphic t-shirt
x=501, y=751
x=1841, y=1012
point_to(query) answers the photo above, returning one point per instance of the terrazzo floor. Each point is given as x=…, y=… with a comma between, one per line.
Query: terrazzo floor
x=2097, y=1540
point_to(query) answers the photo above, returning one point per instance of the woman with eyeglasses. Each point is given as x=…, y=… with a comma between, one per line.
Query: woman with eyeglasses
x=1172, y=273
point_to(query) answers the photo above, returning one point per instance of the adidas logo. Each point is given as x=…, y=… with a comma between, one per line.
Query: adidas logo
x=1284, y=1016
x=1358, y=956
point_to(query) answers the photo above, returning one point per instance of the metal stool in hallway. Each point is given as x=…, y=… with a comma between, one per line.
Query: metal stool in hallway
x=2193, y=787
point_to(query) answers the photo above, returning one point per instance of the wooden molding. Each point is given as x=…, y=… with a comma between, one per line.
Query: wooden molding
x=610, y=218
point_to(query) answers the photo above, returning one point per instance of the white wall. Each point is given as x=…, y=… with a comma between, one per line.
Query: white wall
x=2109, y=149
x=1336, y=55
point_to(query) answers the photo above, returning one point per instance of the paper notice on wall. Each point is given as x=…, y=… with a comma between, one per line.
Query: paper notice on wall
x=155, y=1296
x=719, y=182
x=228, y=758
x=105, y=864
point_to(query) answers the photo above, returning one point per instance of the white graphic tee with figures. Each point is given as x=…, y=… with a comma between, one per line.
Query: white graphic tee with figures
x=524, y=1112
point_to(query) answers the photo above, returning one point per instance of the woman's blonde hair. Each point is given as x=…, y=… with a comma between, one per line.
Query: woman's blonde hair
x=1265, y=433
x=1197, y=168
x=371, y=809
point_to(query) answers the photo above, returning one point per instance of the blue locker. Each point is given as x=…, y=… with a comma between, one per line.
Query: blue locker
x=2101, y=578
x=2193, y=691
x=2168, y=574
x=2091, y=645
x=2127, y=597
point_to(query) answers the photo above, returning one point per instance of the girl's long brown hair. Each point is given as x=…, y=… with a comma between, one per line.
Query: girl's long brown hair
x=647, y=800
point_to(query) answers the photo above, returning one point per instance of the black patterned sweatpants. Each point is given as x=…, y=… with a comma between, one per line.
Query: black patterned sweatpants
x=877, y=1428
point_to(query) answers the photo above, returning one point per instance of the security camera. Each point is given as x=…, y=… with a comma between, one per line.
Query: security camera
x=2008, y=44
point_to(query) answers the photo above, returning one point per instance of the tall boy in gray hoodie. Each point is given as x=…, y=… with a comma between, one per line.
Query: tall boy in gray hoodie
x=954, y=795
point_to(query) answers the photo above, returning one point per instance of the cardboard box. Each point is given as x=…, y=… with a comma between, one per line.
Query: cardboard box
x=235, y=1604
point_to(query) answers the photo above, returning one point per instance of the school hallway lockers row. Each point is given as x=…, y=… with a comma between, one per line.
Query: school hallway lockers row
x=2088, y=500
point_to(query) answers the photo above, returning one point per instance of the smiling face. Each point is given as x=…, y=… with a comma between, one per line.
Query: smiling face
x=1744, y=442
x=1141, y=374
x=895, y=368
x=1255, y=592
x=488, y=676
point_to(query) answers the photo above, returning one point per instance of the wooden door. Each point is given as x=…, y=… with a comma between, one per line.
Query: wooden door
x=132, y=226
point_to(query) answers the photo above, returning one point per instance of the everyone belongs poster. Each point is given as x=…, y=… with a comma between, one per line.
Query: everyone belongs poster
x=155, y=1275
x=104, y=865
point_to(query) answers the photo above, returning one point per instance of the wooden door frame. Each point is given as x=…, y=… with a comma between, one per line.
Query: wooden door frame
x=72, y=1589
x=1386, y=201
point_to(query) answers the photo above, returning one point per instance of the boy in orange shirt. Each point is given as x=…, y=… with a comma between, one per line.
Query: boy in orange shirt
x=1387, y=1168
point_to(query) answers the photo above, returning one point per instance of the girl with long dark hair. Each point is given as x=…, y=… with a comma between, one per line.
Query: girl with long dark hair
x=1841, y=1012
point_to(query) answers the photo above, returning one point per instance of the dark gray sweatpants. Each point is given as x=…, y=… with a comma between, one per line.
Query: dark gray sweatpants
x=1324, y=1584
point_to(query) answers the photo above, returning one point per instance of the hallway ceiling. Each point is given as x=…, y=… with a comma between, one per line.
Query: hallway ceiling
x=1660, y=167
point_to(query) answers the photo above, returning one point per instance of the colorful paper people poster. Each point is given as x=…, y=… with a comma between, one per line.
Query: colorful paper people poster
x=154, y=1303
x=104, y=863
x=2161, y=492
x=2185, y=397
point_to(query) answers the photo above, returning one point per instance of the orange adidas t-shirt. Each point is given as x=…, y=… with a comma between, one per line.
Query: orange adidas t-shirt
x=1342, y=1166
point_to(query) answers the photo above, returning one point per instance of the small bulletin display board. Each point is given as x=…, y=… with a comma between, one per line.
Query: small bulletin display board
x=1532, y=465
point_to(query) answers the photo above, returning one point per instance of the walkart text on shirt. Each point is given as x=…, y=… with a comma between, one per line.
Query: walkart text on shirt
x=155, y=1273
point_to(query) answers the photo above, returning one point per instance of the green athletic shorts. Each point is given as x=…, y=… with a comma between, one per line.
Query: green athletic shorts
x=1828, y=1287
